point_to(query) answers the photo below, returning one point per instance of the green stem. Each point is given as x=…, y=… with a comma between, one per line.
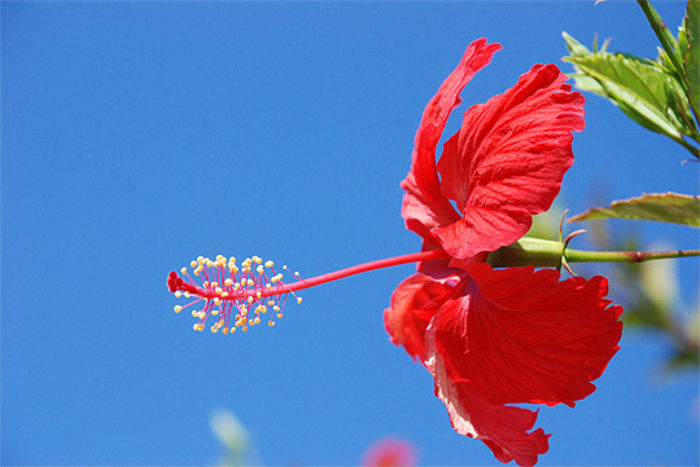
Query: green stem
x=549, y=253
x=665, y=37
x=579, y=256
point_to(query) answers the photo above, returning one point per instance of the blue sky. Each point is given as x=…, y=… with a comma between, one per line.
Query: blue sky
x=138, y=135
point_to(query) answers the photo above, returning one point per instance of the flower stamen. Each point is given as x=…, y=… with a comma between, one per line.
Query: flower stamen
x=234, y=295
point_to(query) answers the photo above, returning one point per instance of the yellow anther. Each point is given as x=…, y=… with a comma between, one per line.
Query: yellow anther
x=299, y=300
x=195, y=326
x=183, y=271
x=270, y=323
x=195, y=313
x=200, y=259
x=257, y=259
x=214, y=329
x=225, y=330
x=269, y=264
x=205, y=284
x=251, y=282
x=224, y=294
x=218, y=290
x=279, y=315
x=276, y=308
x=258, y=294
x=177, y=308
x=268, y=286
x=260, y=269
x=245, y=328
x=232, y=259
x=178, y=294
x=193, y=264
x=270, y=302
x=187, y=294
x=296, y=273
x=233, y=329
x=257, y=321
x=236, y=286
x=263, y=309
x=250, y=300
x=228, y=282
x=214, y=284
x=214, y=312
x=233, y=269
x=217, y=301
x=196, y=272
x=276, y=278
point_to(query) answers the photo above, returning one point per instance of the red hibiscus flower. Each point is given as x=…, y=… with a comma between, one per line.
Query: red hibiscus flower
x=492, y=337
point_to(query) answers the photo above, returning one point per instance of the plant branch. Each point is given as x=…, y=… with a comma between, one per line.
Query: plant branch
x=664, y=35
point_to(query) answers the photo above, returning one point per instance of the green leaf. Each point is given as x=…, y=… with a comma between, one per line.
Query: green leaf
x=641, y=88
x=583, y=81
x=691, y=60
x=661, y=207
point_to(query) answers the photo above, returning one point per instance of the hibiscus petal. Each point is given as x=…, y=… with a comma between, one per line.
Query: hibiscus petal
x=502, y=428
x=413, y=304
x=520, y=335
x=507, y=161
x=423, y=206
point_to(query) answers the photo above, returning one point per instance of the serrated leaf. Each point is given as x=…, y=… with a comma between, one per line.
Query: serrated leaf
x=583, y=81
x=660, y=207
x=641, y=89
x=647, y=91
x=691, y=62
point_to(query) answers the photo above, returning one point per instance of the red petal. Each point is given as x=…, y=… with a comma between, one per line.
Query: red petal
x=423, y=206
x=413, y=304
x=502, y=428
x=520, y=335
x=507, y=161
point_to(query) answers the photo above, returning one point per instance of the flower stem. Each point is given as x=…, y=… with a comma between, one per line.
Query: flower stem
x=578, y=256
x=548, y=253
x=526, y=251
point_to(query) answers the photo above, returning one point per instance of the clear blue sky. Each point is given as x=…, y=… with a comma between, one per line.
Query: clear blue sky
x=138, y=135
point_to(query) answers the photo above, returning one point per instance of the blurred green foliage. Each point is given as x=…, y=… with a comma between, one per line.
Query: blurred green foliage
x=650, y=295
x=233, y=435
